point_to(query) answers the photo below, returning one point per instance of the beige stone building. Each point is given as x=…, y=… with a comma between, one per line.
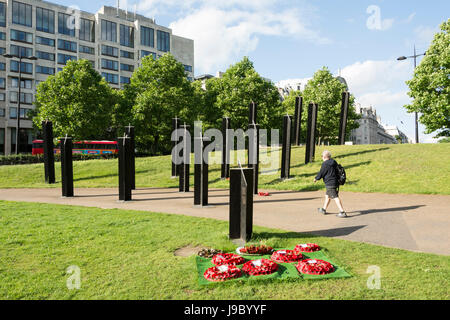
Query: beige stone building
x=113, y=40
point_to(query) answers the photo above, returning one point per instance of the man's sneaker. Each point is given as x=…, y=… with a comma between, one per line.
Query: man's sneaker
x=342, y=215
x=322, y=210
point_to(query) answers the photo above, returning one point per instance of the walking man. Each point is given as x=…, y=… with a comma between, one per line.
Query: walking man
x=328, y=172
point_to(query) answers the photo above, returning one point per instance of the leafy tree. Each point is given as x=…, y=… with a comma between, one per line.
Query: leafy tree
x=430, y=85
x=78, y=101
x=159, y=91
x=232, y=94
x=326, y=91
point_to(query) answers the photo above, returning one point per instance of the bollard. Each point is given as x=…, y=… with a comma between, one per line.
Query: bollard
x=241, y=204
x=66, y=146
x=225, y=169
x=298, y=120
x=344, y=116
x=125, y=158
x=286, y=147
x=49, y=155
x=184, y=167
x=311, y=133
x=129, y=131
x=175, y=126
x=253, y=153
x=200, y=172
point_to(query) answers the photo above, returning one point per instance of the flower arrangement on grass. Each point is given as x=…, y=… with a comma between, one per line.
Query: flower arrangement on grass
x=222, y=273
x=314, y=266
x=260, y=267
x=227, y=258
x=252, y=249
x=286, y=256
x=306, y=247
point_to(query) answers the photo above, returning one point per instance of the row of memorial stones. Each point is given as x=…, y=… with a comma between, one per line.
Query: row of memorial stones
x=243, y=181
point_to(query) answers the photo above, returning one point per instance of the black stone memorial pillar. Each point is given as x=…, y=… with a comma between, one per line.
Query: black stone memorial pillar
x=175, y=126
x=253, y=112
x=49, y=156
x=344, y=116
x=129, y=131
x=66, y=146
x=200, y=172
x=225, y=170
x=125, y=159
x=298, y=120
x=286, y=147
x=241, y=204
x=253, y=153
x=184, y=166
x=311, y=133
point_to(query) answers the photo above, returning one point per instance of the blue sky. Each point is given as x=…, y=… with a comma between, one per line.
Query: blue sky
x=293, y=39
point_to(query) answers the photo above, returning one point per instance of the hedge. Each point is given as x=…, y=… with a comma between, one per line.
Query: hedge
x=29, y=159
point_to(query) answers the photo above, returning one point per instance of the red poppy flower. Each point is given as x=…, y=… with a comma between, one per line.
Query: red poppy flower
x=306, y=247
x=227, y=258
x=284, y=256
x=260, y=267
x=222, y=273
x=314, y=266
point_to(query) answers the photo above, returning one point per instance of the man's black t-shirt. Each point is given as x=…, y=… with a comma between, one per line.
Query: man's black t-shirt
x=328, y=172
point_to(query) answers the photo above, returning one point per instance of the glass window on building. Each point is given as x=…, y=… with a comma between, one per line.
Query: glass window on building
x=110, y=51
x=87, y=30
x=125, y=80
x=109, y=30
x=45, y=70
x=19, y=51
x=2, y=111
x=127, y=54
x=21, y=36
x=111, y=78
x=45, y=55
x=148, y=53
x=163, y=41
x=25, y=67
x=87, y=50
x=2, y=35
x=147, y=37
x=45, y=20
x=187, y=68
x=21, y=14
x=2, y=83
x=66, y=25
x=63, y=58
x=2, y=14
x=110, y=64
x=2, y=138
x=45, y=41
x=126, y=36
x=2, y=98
x=67, y=45
x=24, y=83
x=12, y=112
x=2, y=66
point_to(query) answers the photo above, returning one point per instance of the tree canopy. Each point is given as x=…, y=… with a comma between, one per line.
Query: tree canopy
x=430, y=86
x=232, y=94
x=78, y=101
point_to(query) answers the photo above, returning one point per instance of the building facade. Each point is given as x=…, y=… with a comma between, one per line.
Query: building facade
x=113, y=40
x=371, y=131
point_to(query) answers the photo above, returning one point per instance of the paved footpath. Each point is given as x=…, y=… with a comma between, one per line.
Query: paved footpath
x=411, y=222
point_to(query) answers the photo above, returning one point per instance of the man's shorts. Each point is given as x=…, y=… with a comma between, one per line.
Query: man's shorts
x=332, y=192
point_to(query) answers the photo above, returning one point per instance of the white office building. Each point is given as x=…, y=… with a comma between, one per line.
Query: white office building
x=113, y=40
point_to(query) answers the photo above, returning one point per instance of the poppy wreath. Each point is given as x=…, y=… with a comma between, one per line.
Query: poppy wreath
x=307, y=247
x=259, y=267
x=227, y=258
x=222, y=273
x=314, y=266
x=286, y=256
x=262, y=249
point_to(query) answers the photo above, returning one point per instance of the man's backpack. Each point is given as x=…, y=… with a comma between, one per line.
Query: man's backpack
x=341, y=176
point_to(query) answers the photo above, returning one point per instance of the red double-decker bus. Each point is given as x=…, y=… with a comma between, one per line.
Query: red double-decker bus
x=81, y=147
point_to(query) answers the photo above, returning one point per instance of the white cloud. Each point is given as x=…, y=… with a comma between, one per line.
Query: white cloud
x=225, y=31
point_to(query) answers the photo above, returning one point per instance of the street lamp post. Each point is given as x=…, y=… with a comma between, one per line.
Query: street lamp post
x=415, y=65
x=32, y=58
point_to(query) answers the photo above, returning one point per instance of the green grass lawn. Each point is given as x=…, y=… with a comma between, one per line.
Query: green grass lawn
x=130, y=255
x=409, y=168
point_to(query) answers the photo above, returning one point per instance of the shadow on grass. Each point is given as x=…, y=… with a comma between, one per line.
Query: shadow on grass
x=335, y=232
x=360, y=152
